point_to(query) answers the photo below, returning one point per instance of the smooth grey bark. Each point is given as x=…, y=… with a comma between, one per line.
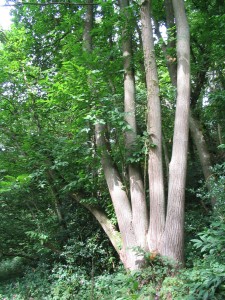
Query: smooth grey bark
x=137, y=193
x=155, y=168
x=200, y=143
x=88, y=25
x=174, y=230
x=118, y=195
x=204, y=155
x=194, y=125
x=120, y=202
x=164, y=238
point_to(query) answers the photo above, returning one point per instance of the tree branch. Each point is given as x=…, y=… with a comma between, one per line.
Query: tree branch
x=48, y=3
x=105, y=223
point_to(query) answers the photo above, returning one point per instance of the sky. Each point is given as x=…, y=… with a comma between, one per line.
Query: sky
x=4, y=16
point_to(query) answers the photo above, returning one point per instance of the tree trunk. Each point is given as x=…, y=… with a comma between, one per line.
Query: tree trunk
x=120, y=202
x=195, y=128
x=203, y=152
x=137, y=193
x=132, y=216
x=118, y=195
x=174, y=230
x=155, y=168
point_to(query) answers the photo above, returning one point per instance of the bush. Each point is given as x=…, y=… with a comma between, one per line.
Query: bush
x=33, y=285
x=11, y=268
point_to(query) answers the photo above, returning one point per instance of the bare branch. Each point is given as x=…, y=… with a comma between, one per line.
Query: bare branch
x=48, y=3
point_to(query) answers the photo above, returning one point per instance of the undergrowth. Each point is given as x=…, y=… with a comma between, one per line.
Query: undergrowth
x=202, y=279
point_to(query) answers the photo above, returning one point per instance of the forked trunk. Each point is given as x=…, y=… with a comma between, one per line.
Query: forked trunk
x=120, y=202
x=131, y=215
x=117, y=192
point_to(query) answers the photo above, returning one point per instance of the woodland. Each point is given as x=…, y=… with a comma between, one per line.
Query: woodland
x=112, y=150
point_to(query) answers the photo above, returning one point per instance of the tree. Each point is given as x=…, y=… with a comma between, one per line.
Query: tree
x=84, y=78
x=163, y=237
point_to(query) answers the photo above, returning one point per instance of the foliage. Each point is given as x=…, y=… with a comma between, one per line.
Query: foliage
x=10, y=268
x=33, y=284
x=206, y=279
x=51, y=247
x=71, y=283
